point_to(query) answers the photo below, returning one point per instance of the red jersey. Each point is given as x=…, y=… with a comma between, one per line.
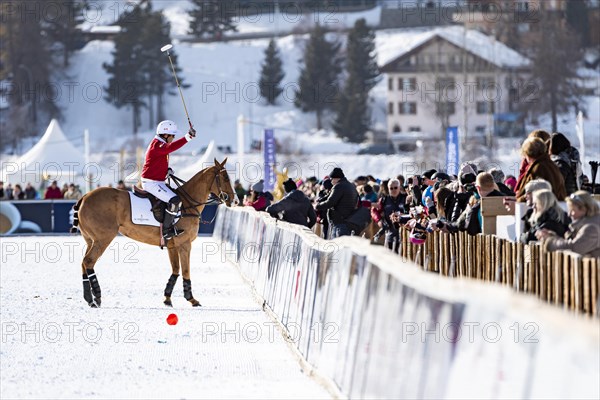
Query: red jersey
x=157, y=158
x=53, y=193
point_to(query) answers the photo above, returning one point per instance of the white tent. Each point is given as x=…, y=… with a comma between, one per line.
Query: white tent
x=52, y=158
x=207, y=160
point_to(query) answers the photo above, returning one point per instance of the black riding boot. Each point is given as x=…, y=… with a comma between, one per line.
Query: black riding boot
x=169, y=229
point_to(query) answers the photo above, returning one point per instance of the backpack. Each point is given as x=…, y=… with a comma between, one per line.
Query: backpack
x=359, y=219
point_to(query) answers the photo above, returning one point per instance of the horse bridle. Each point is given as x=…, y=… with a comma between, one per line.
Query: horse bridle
x=221, y=198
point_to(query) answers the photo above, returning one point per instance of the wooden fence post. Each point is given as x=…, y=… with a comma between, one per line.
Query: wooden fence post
x=577, y=281
x=554, y=277
x=558, y=279
x=566, y=284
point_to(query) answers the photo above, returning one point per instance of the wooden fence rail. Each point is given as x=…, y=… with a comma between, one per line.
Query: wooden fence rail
x=561, y=278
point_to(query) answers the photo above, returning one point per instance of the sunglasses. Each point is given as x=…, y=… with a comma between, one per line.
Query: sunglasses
x=394, y=188
x=576, y=197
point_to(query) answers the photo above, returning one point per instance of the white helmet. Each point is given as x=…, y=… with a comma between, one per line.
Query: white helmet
x=167, y=128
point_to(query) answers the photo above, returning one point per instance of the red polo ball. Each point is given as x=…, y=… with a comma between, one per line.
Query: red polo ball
x=172, y=319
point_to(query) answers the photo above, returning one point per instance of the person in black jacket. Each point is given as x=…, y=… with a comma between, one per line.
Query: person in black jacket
x=499, y=179
x=340, y=204
x=295, y=207
x=558, y=148
x=547, y=214
x=460, y=199
x=30, y=192
x=415, y=195
x=470, y=219
x=322, y=195
x=383, y=211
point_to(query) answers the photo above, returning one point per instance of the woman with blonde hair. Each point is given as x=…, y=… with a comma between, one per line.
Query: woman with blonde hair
x=583, y=236
x=540, y=166
x=546, y=214
x=537, y=133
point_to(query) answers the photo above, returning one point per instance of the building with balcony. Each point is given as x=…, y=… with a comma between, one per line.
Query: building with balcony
x=453, y=77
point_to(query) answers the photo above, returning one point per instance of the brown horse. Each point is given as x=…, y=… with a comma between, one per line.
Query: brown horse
x=105, y=212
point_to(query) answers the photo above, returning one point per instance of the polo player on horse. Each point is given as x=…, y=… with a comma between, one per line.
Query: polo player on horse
x=156, y=168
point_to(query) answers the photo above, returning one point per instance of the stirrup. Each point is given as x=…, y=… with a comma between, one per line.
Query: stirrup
x=172, y=232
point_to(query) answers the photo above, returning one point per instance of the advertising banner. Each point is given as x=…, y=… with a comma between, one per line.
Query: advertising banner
x=269, y=153
x=452, y=150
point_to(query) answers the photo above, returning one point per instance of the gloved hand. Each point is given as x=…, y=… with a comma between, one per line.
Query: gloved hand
x=191, y=134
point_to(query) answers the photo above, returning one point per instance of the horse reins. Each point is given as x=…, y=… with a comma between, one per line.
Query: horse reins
x=221, y=198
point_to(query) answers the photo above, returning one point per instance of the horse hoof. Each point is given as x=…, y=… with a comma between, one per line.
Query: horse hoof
x=168, y=303
x=195, y=303
x=95, y=303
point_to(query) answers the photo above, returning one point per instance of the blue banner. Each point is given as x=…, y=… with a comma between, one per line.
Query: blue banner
x=269, y=148
x=452, y=147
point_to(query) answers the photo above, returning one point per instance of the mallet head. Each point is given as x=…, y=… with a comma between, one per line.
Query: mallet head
x=166, y=47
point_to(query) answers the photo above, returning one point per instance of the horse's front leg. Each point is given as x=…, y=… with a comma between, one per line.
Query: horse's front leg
x=174, y=258
x=184, y=257
x=91, y=286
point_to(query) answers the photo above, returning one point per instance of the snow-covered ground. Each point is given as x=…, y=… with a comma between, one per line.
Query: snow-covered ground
x=273, y=19
x=55, y=346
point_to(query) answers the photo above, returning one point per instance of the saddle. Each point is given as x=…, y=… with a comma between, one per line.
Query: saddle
x=158, y=206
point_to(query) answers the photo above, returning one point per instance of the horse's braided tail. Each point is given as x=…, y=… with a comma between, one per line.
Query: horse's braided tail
x=76, y=216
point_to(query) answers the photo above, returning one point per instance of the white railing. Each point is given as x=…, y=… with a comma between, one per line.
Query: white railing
x=378, y=326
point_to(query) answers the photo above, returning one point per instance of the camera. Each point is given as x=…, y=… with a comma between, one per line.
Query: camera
x=470, y=187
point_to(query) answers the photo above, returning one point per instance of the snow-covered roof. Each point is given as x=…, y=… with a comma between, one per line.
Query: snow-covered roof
x=111, y=29
x=477, y=43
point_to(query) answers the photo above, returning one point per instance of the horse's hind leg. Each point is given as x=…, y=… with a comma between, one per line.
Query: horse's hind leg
x=174, y=258
x=184, y=256
x=87, y=288
x=91, y=286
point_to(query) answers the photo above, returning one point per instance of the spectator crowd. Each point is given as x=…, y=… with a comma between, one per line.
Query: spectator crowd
x=550, y=172
x=52, y=192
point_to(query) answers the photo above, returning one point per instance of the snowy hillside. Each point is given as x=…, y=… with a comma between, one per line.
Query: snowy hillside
x=273, y=19
x=224, y=85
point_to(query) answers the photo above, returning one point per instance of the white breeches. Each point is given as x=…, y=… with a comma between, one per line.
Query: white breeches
x=159, y=189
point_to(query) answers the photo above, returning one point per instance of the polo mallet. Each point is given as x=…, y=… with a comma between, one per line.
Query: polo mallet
x=167, y=48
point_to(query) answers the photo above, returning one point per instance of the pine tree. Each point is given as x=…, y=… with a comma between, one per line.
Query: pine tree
x=156, y=68
x=271, y=74
x=353, y=113
x=127, y=81
x=27, y=63
x=354, y=121
x=212, y=18
x=556, y=57
x=318, y=86
x=61, y=22
x=577, y=17
x=140, y=74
